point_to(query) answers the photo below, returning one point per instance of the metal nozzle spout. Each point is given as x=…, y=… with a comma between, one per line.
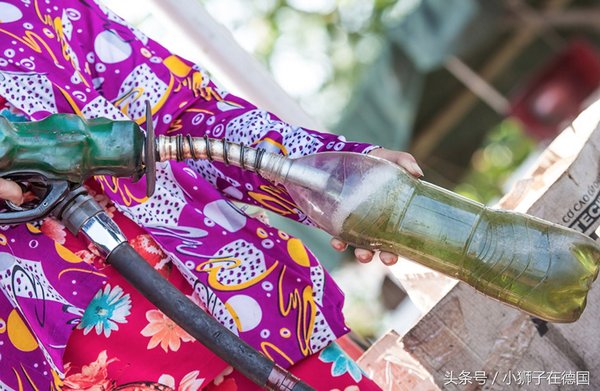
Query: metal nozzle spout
x=270, y=166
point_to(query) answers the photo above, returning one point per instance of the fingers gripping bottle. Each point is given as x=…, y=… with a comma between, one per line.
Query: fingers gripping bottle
x=542, y=268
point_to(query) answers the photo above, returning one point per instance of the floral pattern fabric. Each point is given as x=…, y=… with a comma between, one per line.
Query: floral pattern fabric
x=76, y=56
x=147, y=351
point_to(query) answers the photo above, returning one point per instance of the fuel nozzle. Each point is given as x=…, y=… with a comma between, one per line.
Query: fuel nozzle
x=63, y=150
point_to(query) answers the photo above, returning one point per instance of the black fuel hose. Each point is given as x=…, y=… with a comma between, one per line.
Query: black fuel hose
x=200, y=325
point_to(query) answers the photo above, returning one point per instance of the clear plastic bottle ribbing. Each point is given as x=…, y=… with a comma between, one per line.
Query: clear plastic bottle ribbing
x=539, y=267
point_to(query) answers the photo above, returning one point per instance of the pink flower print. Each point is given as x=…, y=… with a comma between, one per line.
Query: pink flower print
x=54, y=230
x=191, y=382
x=164, y=331
x=221, y=376
x=93, y=377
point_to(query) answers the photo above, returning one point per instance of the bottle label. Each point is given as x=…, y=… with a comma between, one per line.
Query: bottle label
x=584, y=213
x=573, y=198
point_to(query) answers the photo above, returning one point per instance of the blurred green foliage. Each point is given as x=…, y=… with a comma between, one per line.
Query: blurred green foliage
x=325, y=44
x=505, y=149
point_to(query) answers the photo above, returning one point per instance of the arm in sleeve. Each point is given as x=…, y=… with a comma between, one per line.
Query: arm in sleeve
x=122, y=69
x=217, y=114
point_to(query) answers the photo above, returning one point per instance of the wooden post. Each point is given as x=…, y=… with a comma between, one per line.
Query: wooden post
x=248, y=75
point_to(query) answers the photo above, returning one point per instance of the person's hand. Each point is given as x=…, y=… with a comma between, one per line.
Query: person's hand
x=11, y=191
x=404, y=160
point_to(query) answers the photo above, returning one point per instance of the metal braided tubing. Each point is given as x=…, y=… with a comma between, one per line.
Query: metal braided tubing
x=270, y=166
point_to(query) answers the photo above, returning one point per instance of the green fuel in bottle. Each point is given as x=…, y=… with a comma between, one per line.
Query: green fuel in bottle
x=537, y=266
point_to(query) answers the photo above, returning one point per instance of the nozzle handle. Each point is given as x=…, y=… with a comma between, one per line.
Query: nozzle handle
x=56, y=190
x=68, y=147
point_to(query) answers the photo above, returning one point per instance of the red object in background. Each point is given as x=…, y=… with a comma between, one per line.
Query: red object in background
x=556, y=93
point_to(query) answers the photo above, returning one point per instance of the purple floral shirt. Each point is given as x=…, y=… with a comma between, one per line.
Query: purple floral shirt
x=78, y=57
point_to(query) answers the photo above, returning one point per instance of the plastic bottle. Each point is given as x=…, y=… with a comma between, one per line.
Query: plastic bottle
x=534, y=265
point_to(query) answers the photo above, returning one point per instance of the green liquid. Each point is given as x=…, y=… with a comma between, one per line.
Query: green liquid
x=541, y=268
